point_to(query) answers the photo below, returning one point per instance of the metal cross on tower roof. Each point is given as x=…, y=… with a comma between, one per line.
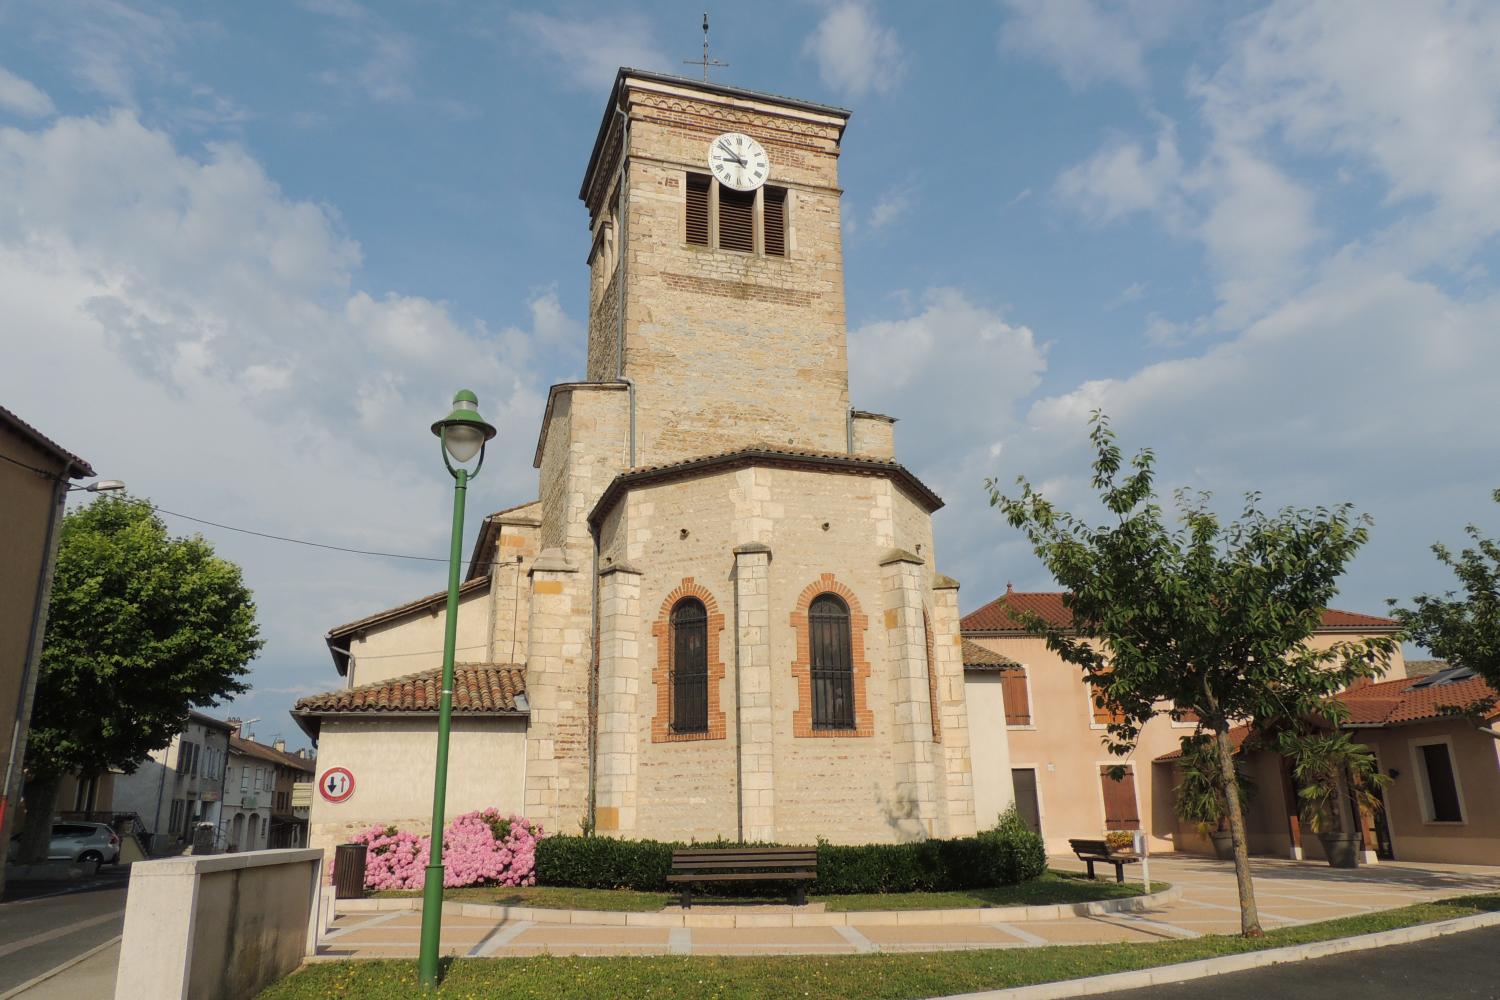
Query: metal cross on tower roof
x=705, y=62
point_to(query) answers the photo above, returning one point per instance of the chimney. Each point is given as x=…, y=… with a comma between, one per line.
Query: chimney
x=280, y=745
x=234, y=724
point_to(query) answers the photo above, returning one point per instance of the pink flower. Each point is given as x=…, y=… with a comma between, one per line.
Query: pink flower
x=479, y=848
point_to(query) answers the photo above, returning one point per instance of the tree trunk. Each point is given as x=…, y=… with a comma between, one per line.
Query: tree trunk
x=40, y=796
x=1249, y=917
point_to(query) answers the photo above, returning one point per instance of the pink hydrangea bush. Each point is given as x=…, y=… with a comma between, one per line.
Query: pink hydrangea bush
x=484, y=847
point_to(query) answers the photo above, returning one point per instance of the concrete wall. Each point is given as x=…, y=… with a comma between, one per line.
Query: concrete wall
x=993, y=793
x=393, y=765
x=221, y=927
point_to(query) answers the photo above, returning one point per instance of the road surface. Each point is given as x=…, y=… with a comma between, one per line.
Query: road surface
x=44, y=924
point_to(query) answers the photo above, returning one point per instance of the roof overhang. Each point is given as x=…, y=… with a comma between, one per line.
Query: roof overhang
x=692, y=468
x=311, y=721
x=338, y=638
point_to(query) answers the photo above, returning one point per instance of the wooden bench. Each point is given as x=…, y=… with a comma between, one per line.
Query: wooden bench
x=797, y=865
x=1089, y=851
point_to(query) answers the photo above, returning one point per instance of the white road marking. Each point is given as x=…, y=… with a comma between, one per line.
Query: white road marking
x=861, y=944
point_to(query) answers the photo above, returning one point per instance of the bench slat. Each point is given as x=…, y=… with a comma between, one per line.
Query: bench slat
x=734, y=863
x=745, y=876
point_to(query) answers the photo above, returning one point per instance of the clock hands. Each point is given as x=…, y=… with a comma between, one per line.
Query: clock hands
x=731, y=154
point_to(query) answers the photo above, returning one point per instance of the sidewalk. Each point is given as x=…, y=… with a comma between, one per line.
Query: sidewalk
x=1287, y=893
x=92, y=978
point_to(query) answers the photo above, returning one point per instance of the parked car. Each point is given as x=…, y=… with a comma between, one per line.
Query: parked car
x=82, y=842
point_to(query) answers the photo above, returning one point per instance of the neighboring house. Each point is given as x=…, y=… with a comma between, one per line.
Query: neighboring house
x=1058, y=763
x=179, y=786
x=258, y=810
x=721, y=617
x=1442, y=803
x=34, y=474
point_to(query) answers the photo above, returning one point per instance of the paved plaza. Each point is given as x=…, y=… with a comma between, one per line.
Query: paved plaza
x=1204, y=901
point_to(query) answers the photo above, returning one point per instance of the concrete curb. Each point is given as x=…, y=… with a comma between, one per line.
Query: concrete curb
x=1187, y=971
x=749, y=918
x=17, y=990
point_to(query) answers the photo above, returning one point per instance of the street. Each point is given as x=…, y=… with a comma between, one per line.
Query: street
x=44, y=924
x=1445, y=968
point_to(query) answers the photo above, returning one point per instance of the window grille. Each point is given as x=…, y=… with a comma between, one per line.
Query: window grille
x=689, y=667
x=831, y=665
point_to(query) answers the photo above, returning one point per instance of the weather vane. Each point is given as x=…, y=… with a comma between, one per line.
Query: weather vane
x=705, y=62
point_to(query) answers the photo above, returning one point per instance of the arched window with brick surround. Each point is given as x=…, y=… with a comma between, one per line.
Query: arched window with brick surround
x=689, y=666
x=830, y=663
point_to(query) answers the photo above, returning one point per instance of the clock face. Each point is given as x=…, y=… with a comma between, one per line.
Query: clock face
x=738, y=161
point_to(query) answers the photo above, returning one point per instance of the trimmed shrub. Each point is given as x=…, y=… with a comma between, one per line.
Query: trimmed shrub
x=1008, y=854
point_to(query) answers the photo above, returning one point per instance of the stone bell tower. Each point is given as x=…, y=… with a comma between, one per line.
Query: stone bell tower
x=724, y=307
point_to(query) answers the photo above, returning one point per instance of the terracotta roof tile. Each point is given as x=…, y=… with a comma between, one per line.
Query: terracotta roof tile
x=1237, y=737
x=1410, y=699
x=996, y=616
x=478, y=689
x=976, y=657
x=251, y=748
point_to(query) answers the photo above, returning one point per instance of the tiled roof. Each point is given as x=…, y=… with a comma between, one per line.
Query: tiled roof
x=976, y=657
x=1237, y=737
x=478, y=689
x=250, y=748
x=1415, y=699
x=764, y=454
x=996, y=616
x=42, y=441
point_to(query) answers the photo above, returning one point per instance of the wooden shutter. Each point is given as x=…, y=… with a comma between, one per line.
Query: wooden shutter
x=774, y=215
x=1103, y=714
x=1119, y=800
x=736, y=220
x=697, y=209
x=1017, y=697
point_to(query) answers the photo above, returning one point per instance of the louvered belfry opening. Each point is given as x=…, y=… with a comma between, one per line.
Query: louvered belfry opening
x=832, y=668
x=736, y=220
x=697, y=209
x=689, y=667
x=774, y=218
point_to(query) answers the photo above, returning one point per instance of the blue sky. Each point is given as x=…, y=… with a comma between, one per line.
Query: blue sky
x=248, y=251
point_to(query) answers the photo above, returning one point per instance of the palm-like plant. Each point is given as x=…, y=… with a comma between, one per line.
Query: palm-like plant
x=1200, y=794
x=1325, y=765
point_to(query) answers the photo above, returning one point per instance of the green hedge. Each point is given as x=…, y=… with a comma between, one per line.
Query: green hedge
x=1008, y=854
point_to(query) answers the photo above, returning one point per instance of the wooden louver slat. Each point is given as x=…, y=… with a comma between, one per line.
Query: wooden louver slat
x=775, y=222
x=736, y=220
x=1017, y=698
x=697, y=209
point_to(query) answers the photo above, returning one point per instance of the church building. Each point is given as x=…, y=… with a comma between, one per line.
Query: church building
x=720, y=618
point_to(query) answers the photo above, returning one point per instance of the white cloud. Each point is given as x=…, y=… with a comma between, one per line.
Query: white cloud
x=589, y=53
x=234, y=368
x=855, y=53
x=108, y=45
x=22, y=97
x=955, y=375
x=1089, y=42
x=892, y=205
x=1122, y=178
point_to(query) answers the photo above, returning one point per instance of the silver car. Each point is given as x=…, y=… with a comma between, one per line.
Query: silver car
x=84, y=842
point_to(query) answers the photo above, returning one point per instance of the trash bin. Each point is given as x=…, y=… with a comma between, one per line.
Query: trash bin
x=349, y=871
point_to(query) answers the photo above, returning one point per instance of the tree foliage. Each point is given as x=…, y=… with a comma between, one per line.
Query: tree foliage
x=1462, y=628
x=142, y=627
x=1208, y=617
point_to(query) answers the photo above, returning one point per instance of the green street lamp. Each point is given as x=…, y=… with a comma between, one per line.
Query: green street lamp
x=463, y=434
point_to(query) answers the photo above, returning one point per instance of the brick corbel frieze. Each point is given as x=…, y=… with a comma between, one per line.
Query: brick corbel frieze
x=661, y=674
x=802, y=718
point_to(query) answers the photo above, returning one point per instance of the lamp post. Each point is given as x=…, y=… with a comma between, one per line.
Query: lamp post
x=463, y=434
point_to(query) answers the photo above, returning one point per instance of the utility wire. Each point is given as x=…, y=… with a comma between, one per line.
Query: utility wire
x=244, y=531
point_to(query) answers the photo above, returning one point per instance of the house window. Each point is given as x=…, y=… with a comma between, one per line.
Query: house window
x=689, y=667
x=1105, y=714
x=244, y=779
x=1441, y=803
x=1017, y=696
x=831, y=666
x=257, y=778
x=742, y=221
x=1120, y=812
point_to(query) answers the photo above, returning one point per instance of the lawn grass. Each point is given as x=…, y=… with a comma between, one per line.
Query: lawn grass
x=817, y=977
x=1053, y=887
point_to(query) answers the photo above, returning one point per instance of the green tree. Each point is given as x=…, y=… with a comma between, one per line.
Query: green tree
x=142, y=627
x=1205, y=616
x=1464, y=630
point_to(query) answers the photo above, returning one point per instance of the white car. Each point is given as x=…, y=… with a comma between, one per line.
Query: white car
x=84, y=842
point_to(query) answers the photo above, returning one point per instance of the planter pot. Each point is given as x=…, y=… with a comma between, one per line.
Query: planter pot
x=1223, y=845
x=1341, y=851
